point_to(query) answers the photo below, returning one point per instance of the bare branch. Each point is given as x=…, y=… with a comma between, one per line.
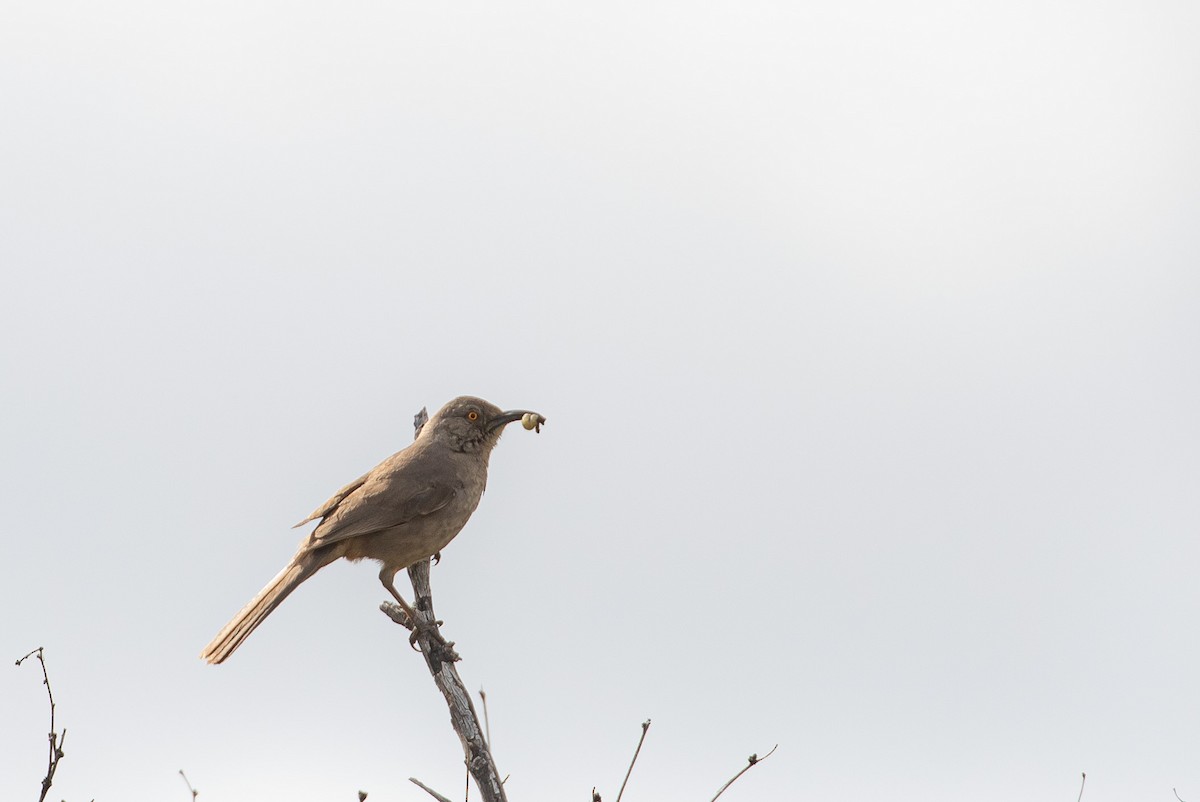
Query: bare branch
x=440, y=658
x=195, y=793
x=56, y=740
x=645, y=727
x=753, y=761
x=1177, y=796
x=428, y=790
x=1082, y=782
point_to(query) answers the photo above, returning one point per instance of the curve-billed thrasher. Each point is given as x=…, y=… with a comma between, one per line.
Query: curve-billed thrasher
x=404, y=510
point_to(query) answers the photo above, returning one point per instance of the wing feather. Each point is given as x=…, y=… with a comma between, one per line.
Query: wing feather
x=334, y=500
x=373, y=507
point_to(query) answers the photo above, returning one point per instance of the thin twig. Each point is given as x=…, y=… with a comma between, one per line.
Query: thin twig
x=56, y=741
x=753, y=761
x=1082, y=782
x=1177, y=796
x=195, y=793
x=645, y=726
x=428, y=790
x=487, y=724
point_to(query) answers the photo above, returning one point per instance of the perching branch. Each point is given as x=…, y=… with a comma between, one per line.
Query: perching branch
x=440, y=658
x=56, y=741
x=753, y=761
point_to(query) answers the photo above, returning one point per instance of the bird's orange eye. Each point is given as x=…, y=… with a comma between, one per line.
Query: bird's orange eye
x=472, y=415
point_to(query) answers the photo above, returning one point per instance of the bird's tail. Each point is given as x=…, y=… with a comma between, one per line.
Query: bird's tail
x=245, y=622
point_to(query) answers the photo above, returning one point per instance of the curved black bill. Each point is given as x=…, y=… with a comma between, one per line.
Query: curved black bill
x=507, y=417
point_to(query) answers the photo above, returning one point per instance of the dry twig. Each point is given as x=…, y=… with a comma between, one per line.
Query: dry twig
x=428, y=790
x=188, y=782
x=753, y=761
x=1082, y=782
x=56, y=740
x=487, y=724
x=645, y=727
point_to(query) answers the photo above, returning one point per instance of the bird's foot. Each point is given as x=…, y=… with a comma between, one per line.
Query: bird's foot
x=429, y=628
x=440, y=649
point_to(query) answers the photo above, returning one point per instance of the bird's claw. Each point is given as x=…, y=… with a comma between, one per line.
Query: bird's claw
x=440, y=649
x=430, y=628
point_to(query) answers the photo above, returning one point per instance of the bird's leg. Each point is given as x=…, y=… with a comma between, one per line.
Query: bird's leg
x=388, y=578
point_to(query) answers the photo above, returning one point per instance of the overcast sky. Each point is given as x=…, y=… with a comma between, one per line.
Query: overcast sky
x=868, y=335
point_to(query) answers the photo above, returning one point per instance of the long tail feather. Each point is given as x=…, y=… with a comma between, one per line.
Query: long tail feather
x=245, y=622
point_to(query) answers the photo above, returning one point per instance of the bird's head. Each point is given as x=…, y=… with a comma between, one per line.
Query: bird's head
x=472, y=424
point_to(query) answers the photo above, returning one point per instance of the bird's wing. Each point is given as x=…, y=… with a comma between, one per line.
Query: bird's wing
x=375, y=505
x=334, y=500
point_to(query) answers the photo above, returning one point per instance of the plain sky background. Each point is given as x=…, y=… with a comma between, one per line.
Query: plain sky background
x=868, y=334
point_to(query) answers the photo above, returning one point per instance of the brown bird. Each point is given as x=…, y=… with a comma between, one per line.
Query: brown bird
x=406, y=509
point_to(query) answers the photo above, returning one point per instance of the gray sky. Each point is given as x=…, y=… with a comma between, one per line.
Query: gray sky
x=868, y=335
